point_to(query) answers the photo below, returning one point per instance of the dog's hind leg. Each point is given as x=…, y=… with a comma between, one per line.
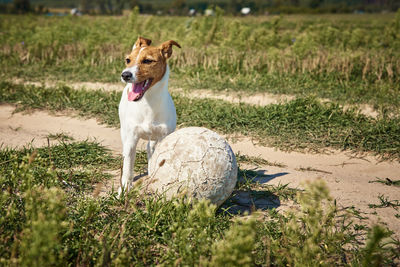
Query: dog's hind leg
x=129, y=154
x=150, y=149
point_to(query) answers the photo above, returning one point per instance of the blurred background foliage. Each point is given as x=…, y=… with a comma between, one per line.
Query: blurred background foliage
x=182, y=7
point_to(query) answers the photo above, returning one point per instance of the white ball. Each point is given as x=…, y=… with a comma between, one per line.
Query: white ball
x=195, y=162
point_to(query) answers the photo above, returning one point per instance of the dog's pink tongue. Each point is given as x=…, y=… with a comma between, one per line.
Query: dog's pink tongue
x=136, y=91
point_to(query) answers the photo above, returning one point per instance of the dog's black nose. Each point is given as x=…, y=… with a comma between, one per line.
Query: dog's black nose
x=126, y=75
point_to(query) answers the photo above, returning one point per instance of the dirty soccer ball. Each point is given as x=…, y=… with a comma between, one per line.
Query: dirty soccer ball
x=195, y=162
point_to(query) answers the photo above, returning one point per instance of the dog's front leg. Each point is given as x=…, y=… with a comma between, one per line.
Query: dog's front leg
x=129, y=154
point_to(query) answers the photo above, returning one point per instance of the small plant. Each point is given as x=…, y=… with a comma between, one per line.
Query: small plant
x=283, y=191
x=310, y=169
x=134, y=19
x=258, y=161
x=386, y=181
x=377, y=247
x=60, y=137
x=236, y=249
x=41, y=239
x=314, y=227
x=385, y=202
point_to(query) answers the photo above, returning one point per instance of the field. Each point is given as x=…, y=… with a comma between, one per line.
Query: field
x=301, y=98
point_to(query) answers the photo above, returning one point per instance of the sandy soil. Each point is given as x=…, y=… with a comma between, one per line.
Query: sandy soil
x=348, y=177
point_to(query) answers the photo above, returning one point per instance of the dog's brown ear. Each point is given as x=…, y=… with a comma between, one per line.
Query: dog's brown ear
x=142, y=42
x=166, y=48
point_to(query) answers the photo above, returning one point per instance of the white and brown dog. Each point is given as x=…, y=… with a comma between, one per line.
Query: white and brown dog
x=146, y=109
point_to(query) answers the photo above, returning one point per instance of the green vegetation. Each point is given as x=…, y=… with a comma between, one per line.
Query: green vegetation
x=385, y=202
x=48, y=217
x=346, y=58
x=310, y=169
x=77, y=165
x=257, y=161
x=304, y=123
x=60, y=137
x=386, y=181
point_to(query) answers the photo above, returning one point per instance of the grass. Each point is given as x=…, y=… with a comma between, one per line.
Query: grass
x=350, y=59
x=310, y=169
x=385, y=202
x=387, y=181
x=257, y=161
x=60, y=136
x=283, y=191
x=45, y=221
x=78, y=165
x=304, y=123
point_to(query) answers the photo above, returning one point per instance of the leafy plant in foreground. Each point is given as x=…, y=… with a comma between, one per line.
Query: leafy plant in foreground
x=46, y=222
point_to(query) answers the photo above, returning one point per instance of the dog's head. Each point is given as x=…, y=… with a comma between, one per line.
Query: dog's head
x=145, y=66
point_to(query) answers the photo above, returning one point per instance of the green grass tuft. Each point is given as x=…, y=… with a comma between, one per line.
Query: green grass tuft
x=386, y=181
x=385, y=202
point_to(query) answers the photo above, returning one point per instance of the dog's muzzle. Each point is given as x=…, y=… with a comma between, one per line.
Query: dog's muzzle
x=127, y=76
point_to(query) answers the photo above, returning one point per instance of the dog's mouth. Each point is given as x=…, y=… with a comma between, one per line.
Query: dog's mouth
x=136, y=92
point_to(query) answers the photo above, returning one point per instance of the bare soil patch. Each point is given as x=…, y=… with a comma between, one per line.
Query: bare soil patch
x=347, y=176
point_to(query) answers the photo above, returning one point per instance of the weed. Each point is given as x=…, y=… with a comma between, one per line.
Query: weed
x=386, y=181
x=60, y=137
x=355, y=212
x=283, y=191
x=41, y=239
x=257, y=161
x=311, y=169
x=237, y=246
x=385, y=202
x=374, y=251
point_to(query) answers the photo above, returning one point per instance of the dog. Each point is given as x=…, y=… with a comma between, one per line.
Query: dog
x=146, y=109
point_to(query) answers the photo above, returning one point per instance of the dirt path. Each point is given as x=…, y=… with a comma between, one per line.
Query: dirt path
x=347, y=177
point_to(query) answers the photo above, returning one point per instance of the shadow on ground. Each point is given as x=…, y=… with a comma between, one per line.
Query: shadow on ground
x=244, y=198
x=249, y=200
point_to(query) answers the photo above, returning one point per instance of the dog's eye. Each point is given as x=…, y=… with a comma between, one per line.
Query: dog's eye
x=127, y=61
x=147, y=61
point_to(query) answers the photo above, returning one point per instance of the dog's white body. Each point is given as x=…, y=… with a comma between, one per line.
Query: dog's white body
x=152, y=118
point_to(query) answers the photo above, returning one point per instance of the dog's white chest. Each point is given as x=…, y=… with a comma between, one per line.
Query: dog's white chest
x=150, y=118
